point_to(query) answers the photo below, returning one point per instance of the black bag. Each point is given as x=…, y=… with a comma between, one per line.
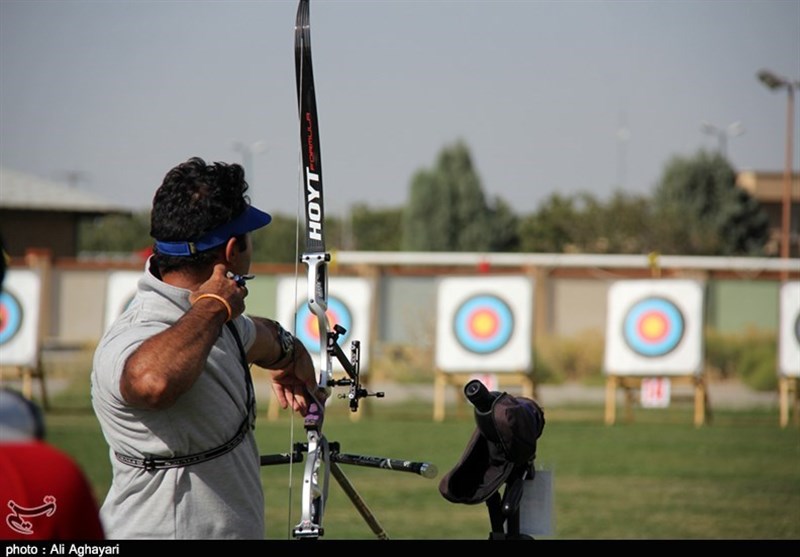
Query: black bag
x=501, y=450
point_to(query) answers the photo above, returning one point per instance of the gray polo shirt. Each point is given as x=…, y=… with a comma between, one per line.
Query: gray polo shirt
x=219, y=498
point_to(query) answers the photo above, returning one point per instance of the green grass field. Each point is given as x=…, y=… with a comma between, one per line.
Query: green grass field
x=658, y=477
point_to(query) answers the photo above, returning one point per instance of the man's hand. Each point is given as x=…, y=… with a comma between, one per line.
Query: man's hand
x=296, y=385
x=220, y=285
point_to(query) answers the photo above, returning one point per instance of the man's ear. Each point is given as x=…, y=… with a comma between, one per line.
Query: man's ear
x=232, y=251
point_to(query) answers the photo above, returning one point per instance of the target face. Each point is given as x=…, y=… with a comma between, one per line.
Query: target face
x=349, y=305
x=654, y=327
x=307, y=325
x=10, y=317
x=484, y=324
x=19, y=318
x=789, y=330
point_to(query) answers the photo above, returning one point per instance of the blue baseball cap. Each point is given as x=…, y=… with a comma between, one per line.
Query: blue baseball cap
x=251, y=219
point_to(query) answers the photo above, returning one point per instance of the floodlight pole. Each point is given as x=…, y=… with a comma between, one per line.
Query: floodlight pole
x=247, y=152
x=721, y=134
x=775, y=82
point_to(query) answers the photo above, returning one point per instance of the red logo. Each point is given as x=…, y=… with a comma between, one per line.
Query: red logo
x=16, y=520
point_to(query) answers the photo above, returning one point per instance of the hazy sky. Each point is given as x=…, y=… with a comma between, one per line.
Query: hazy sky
x=118, y=92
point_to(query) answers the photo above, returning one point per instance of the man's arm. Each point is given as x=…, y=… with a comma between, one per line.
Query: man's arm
x=167, y=364
x=293, y=374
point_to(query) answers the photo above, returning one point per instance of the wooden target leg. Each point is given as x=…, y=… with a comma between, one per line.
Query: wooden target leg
x=611, y=400
x=699, y=402
x=440, y=386
x=783, y=390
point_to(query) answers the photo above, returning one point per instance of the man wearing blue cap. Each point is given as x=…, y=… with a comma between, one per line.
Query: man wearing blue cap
x=171, y=384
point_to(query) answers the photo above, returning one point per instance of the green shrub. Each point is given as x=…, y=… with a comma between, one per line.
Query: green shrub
x=578, y=358
x=750, y=357
x=757, y=367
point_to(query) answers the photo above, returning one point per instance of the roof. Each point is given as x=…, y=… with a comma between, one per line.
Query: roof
x=27, y=192
x=767, y=187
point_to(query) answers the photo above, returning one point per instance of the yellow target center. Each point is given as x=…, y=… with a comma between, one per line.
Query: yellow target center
x=484, y=324
x=653, y=326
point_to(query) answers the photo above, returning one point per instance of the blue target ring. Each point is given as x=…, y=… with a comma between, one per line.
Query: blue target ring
x=10, y=317
x=483, y=324
x=307, y=327
x=653, y=327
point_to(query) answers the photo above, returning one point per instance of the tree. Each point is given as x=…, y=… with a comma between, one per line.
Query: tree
x=376, y=230
x=115, y=233
x=504, y=227
x=699, y=210
x=551, y=228
x=277, y=242
x=583, y=224
x=626, y=222
x=447, y=210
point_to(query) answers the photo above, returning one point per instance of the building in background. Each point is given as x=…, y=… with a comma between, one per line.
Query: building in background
x=41, y=214
x=767, y=188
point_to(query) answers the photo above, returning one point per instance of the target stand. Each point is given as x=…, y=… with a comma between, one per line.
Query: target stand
x=654, y=331
x=484, y=328
x=789, y=352
x=457, y=380
x=632, y=384
x=21, y=305
x=789, y=395
x=27, y=374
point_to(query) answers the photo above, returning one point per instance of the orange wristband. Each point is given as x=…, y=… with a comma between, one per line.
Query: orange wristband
x=220, y=299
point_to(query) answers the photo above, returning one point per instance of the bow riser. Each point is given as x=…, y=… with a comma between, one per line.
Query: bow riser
x=318, y=305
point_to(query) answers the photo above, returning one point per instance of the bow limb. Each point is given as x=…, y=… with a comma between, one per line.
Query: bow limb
x=315, y=256
x=316, y=473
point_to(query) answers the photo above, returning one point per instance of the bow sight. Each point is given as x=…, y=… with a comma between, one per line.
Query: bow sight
x=351, y=367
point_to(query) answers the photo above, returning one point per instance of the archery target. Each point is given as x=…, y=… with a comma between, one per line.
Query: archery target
x=654, y=327
x=10, y=317
x=484, y=324
x=789, y=335
x=349, y=303
x=120, y=290
x=307, y=324
x=19, y=318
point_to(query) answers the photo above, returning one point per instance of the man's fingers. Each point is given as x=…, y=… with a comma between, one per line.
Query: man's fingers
x=279, y=392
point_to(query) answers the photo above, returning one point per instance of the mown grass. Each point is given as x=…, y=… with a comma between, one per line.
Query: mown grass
x=657, y=477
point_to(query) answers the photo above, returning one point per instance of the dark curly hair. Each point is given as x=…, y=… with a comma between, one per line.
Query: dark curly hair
x=195, y=198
